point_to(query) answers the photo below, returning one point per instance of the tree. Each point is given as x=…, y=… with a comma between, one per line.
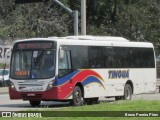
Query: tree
x=32, y=20
x=137, y=20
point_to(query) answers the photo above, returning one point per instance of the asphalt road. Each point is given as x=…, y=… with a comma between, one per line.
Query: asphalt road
x=17, y=105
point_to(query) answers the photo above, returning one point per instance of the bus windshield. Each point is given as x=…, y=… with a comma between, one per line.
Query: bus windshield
x=33, y=64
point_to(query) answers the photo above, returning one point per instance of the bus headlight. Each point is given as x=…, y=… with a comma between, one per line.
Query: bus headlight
x=12, y=85
x=50, y=85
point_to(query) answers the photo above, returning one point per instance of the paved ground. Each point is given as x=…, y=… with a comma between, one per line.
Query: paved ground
x=15, y=105
x=152, y=96
x=3, y=90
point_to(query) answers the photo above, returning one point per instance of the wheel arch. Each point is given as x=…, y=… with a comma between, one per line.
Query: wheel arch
x=81, y=87
x=131, y=84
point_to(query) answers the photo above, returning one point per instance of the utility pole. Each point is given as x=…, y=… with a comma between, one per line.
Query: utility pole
x=73, y=13
x=83, y=17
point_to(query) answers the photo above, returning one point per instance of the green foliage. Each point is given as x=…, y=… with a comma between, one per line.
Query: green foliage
x=137, y=20
x=32, y=20
x=2, y=65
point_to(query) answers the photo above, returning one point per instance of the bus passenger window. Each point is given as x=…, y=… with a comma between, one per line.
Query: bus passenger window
x=92, y=64
x=64, y=64
x=106, y=62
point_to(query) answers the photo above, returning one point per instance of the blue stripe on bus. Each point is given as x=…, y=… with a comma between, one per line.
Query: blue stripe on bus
x=90, y=79
x=66, y=78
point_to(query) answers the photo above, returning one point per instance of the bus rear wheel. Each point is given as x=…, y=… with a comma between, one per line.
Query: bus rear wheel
x=35, y=103
x=127, y=92
x=77, y=97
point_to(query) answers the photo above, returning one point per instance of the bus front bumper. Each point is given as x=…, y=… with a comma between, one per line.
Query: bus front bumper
x=51, y=94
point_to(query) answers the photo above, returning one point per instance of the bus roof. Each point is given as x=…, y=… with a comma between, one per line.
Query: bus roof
x=92, y=40
x=95, y=38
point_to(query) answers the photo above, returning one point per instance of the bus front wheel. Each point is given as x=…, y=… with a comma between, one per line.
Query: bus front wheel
x=127, y=92
x=77, y=97
x=35, y=103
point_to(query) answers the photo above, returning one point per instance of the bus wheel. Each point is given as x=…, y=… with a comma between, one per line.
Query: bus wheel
x=77, y=97
x=35, y=103
x=127, y=92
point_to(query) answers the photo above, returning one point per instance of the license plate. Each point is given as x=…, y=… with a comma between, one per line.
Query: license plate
x=30, y=95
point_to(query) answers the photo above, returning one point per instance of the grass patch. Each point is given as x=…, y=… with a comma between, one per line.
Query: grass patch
x=139, y=105
x=2, y=65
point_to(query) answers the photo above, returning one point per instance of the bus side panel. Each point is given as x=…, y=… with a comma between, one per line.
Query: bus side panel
x=94, y=90
x=112, y=84
x=144, y=80
x=90, y=79
x=150, y=80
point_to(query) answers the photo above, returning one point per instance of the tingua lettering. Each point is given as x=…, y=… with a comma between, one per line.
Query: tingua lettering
x=115, y=74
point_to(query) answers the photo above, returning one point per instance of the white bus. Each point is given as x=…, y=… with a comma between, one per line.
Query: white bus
x=80, y=69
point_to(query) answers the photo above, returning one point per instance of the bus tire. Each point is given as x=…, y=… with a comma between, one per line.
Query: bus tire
x=127, y=92
x=35, y=103
x=77, y=97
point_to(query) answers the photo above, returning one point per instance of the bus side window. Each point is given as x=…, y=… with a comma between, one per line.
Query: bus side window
x=100, y=63
x=64, y=64
x=92, y=64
